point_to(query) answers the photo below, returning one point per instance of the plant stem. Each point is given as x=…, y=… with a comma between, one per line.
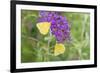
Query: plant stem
x=48, y=47
x=31, y=38
x=82, y=34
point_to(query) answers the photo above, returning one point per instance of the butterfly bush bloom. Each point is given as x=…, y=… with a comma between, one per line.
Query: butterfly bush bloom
x=59, y=24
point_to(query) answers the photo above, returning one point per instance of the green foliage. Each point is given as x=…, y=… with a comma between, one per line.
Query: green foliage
x=34, y=46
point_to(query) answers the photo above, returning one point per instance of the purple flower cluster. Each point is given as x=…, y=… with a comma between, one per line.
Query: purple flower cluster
x=59, y=24
x=48, y=16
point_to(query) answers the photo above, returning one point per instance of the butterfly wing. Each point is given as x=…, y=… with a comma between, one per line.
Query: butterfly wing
x=59, y=49
x=43, y=27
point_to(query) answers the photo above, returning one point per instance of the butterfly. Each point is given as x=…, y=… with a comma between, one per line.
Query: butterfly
x=59, y=49
x=43, y=27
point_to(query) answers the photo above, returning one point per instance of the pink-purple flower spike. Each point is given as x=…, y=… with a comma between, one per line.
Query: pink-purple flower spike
x=59, y=24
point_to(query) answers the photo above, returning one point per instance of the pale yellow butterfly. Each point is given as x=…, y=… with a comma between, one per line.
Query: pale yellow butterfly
x=43, y=27
x=59, y=49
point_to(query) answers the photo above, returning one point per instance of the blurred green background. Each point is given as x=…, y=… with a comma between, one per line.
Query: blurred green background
x=34, y=45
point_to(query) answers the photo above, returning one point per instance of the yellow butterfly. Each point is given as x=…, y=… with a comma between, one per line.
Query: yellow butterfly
x=59, y=49
x=43, y=27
